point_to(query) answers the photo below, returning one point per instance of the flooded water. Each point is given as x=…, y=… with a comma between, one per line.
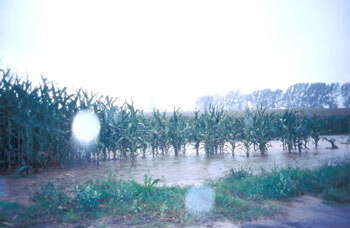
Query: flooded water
x=186, y=169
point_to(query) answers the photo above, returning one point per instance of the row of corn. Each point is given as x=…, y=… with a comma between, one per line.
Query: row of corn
x=36, y=121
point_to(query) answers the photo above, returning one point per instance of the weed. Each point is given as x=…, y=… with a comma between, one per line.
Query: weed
x=336, y=195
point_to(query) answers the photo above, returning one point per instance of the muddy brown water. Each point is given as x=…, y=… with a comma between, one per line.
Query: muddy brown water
x=186, y=169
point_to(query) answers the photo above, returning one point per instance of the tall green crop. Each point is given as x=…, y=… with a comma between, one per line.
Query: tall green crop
x=262, y=129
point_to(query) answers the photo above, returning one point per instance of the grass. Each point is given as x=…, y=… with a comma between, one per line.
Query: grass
x=239, y=196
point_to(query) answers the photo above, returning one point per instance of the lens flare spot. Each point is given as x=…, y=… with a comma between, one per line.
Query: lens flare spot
x=199, y=199
x=86, y=127
x=4, y=189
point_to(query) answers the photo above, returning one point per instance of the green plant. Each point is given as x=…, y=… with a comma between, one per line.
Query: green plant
x=176, y=131
x=195, y=131
x=289, y=122
x=51, y=200
x=262, y=130
x=247, y=131
x=88, y=198
x=315, y=125
x=212, y=123
x=336, y=195
x=233, y=129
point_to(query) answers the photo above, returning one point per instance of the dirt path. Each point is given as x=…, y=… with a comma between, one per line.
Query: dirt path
x=308, y=211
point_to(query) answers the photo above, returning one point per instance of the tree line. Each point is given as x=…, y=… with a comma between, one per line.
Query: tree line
x=300, y=95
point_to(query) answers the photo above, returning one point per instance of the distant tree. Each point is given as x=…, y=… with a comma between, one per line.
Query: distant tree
x=204, y=102
x=321, y=95
x=300, y=95
x=313, y=94
x=234, y=100
x=294, y=97
x=331, y=100
x=257, y=98
x=345, y=94
x=267, y=98
x=276, y=99
x=219, y=101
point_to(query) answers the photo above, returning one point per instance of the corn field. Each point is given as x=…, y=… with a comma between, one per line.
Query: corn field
x=36, y=126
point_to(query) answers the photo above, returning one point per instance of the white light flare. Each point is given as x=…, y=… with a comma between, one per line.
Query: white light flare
x=86, y=127
x=200, y=199
x=4, y=189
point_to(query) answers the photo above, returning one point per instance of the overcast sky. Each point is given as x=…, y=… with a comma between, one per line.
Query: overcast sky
x=168, y=53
